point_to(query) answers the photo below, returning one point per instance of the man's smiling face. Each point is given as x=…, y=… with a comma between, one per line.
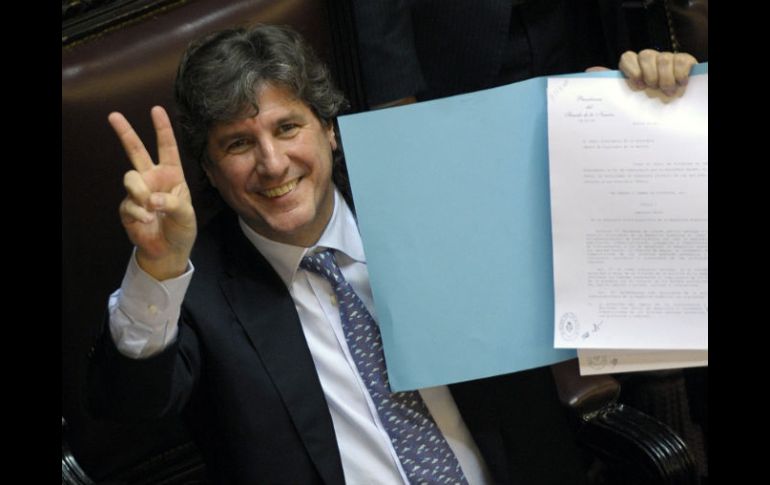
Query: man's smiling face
x=274, y=169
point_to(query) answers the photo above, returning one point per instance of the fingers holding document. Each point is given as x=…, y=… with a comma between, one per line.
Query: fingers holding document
x=664, y=71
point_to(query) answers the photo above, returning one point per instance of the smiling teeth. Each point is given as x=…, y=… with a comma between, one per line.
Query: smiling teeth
x=279, y=191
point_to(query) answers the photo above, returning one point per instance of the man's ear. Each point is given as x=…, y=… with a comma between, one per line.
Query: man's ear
x=331, y=135
x=207, y=171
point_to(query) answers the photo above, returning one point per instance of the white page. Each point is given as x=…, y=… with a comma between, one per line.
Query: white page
x=629, y=206
x=606, y=361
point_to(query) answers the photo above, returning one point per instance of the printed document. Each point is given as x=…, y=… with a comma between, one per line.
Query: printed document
x=629, y=206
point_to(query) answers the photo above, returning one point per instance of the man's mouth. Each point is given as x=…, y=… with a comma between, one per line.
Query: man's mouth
x=280, y=190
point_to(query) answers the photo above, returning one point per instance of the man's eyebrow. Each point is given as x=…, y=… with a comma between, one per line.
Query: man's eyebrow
x=229, y=134
x=292, y=115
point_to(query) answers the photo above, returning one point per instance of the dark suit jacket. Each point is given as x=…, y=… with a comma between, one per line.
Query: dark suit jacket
x=241, y=374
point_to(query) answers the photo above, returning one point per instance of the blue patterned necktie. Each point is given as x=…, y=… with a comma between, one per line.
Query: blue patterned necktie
x=419, y=444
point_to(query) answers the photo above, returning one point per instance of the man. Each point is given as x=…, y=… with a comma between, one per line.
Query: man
x=248, y=329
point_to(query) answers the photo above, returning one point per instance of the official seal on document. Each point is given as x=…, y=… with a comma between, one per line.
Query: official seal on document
x=568, y=326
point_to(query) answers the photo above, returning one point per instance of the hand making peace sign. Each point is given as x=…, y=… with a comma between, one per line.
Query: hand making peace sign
x=157, y=212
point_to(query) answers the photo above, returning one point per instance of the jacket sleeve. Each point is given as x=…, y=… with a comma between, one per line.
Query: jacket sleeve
x=124, y=389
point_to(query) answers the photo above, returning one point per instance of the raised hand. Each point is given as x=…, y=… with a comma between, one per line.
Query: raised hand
x=657, y=70
x=157, y=212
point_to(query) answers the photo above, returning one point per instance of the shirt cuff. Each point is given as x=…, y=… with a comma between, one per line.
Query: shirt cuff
x=144, y=311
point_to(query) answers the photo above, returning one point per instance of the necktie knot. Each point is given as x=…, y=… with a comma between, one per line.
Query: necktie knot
x=324, y=264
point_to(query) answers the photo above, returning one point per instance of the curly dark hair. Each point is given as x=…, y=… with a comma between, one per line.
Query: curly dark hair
x=219, y=75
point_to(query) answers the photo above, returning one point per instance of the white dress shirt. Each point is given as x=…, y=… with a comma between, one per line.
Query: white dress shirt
x=143, y=320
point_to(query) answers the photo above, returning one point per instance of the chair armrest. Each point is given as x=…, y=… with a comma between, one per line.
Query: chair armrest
x=583, y=394
x=636, y=448
x=71, y=472
x=631, y=447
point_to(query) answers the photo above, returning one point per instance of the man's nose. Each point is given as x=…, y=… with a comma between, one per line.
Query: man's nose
x=272, y=161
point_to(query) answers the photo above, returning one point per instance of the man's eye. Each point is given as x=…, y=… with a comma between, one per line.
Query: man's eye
x=287, y=128
x=238, y=145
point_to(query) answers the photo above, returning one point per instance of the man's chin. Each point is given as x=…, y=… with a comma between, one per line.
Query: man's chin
x=298, y=231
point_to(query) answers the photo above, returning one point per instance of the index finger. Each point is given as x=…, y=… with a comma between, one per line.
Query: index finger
x=131, y=142
x=168, y=152
x=629, y=65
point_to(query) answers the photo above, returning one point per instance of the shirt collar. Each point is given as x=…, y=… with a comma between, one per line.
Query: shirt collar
x=340, y=234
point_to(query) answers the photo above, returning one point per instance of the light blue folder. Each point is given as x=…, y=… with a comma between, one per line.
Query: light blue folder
x=453, y=207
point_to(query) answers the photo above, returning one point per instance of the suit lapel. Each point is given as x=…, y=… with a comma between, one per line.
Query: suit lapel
x=266, y=310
